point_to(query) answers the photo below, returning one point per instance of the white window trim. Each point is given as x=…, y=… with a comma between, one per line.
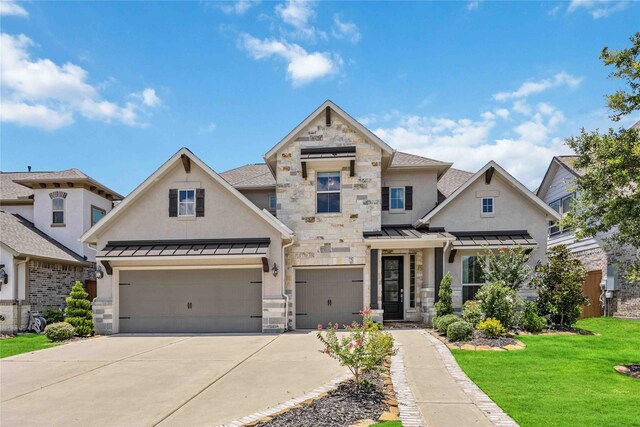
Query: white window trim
x=404, y=200
x=329, y=192
x=493, y=207
x=275, y=202
x=194, y=203
x=551, y=224
x=103, y=211
x=58, y=210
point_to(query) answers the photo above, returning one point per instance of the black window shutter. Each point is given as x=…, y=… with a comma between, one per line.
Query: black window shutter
x=199, y=201
x=385, y=198
x=173, y=202
x=408, y=195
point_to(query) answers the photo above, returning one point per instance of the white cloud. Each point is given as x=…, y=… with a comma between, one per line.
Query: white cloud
x=238, y=7
x=473, y=5
x=207, y=129
x=41, y=93
x=525, y=150
x=529, y=88
x=598, y=8
x=299, y=14
x=302, y=67
x=11, y=8
x=345, y=30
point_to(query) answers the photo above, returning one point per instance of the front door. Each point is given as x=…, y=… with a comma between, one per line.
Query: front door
x=392, y=288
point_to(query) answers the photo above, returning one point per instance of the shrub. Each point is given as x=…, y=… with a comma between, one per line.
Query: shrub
x=363, y=350
x=559, y=285
x=499, y=301
x=529, y=320
x=78, y=311
x=460, y=331
x=471, y=312
x=492, y=328
x=54, y=315
x=444, y=305
x=59, y=331
x=442, y=323
x=508, y=266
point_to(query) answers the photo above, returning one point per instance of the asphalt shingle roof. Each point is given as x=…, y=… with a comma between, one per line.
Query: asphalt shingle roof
x=401, y=159
x=24, y=238
x=452, y=180
x=250, y=176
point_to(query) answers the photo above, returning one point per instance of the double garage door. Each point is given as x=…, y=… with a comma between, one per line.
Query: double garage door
x=183, y=301
x=328, y=295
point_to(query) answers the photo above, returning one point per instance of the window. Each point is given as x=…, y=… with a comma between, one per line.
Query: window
x=58, y=210
x=562, y=206
x=472, y=276
x=272, y=203
x=487, y=205
x=412, y=281
x=97, y=214
x=328, y=192
x=186, y=202
x=396, y=198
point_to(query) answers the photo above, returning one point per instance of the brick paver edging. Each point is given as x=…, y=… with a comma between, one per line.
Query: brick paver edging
x=409, y=412
x=289, y=404
x=488, y=407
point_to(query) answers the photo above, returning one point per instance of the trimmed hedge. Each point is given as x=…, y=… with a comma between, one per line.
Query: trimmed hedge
x=471, y=312
x=442, y=323
x=460, y=331
x=59, y=331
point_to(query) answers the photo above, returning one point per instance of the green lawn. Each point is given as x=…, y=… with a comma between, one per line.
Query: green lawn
x=388, y=424
x=562, y=380
x=24, y=344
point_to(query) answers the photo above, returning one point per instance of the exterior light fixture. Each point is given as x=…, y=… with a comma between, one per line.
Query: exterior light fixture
x=4, y=277
x=274, y=270
x=99, y=273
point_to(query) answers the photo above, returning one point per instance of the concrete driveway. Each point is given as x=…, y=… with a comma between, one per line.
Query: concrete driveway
x=160, y=380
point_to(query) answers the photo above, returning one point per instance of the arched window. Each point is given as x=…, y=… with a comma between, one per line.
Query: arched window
x=57, y=207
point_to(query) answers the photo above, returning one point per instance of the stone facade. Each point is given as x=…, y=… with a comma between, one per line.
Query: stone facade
x=273, y=315
x=49, y=284
x=329, y=239
x=103, y=316
x=411, y=313
x=8, y=314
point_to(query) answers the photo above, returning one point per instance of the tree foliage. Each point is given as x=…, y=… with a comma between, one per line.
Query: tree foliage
x=559, y=286
x=508, y=266
x=78, y=312
x=444, y=305
x=626, y=63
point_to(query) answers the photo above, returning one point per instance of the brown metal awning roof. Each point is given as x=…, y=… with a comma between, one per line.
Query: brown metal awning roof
x=406, y=231
x=474, y=239
x=328, y=152
x=187, y=248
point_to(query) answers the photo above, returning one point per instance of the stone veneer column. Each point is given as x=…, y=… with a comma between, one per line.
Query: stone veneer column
x=103, y=316
x=274, y=315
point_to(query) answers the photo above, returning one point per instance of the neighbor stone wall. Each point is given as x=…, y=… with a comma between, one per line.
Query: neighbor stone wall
x=627, y=297
x=49, y=284
x=329, y=239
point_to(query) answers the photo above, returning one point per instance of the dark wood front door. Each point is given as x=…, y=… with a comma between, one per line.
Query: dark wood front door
x=392, y=288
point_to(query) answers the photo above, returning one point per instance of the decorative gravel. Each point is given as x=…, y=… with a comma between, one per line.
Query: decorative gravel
x=341, y=407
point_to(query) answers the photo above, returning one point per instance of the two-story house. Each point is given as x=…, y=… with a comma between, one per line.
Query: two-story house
x=334, y=221
x=600, y=259
x=42, y=216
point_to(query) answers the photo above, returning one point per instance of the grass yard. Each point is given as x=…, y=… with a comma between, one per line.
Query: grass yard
x=388, y=424
x=564, y=380
x=24, y=344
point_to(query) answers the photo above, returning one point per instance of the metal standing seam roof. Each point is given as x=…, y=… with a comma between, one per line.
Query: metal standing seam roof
x=404, y=231
x=161, y=248
x=492, y=238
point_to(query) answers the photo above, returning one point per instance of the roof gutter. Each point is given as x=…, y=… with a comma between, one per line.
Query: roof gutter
x=282, y=283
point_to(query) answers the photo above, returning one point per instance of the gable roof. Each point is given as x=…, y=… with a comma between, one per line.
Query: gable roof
x=23, y=239
x=566, y=162
x=90, y=236
x=451, y=180
x=373, y=138
x=255, y=175
x=510, y=179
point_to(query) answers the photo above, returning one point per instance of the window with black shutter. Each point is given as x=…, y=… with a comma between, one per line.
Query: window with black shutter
x=173, y=202
x=408, y=195
x=199, y=201
x=385, y=198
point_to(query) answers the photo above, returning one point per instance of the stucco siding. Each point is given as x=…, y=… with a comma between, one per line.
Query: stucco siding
x=425, y=194
x=260, y=198
x=25, y=211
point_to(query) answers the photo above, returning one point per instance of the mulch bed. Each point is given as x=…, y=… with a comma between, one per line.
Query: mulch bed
x=343, y=406
x=632, y=371
x=480, y=342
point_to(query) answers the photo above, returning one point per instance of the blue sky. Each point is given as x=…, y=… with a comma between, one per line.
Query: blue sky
x=115, y=88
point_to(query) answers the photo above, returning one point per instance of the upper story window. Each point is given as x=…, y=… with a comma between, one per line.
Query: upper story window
x=328, y=192
x=57, y=207
x=97, y=214
x=186, y=202
x=472, y=276
x=396, y=199
x=487, y=205
x=562, y=206
x=273, y=202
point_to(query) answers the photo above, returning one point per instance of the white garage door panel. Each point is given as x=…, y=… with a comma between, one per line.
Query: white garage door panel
x=191, y=301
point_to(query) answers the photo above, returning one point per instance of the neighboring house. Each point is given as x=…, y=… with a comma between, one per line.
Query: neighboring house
x=557, y=190
x=357, y=224
x=43, y=214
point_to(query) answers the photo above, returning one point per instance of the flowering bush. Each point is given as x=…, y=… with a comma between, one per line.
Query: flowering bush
x=492, y=328
x=363, y=348
x=499, y=301
x=509, y=266
x=471, y=312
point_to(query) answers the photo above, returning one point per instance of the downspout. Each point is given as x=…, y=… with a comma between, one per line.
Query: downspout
x=282, y=284
x=16, y=287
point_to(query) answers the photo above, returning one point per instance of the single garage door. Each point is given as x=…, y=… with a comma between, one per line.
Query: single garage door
x=170, y=301
x=328, y=295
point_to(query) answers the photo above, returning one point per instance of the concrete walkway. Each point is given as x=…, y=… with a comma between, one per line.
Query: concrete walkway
x=160, y=380
x=439, y=397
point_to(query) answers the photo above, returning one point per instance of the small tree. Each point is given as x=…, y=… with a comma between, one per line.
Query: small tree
x=78, y=312
x=444, y=305
x=499, y=301
x=508, y=266
x=559, y=286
